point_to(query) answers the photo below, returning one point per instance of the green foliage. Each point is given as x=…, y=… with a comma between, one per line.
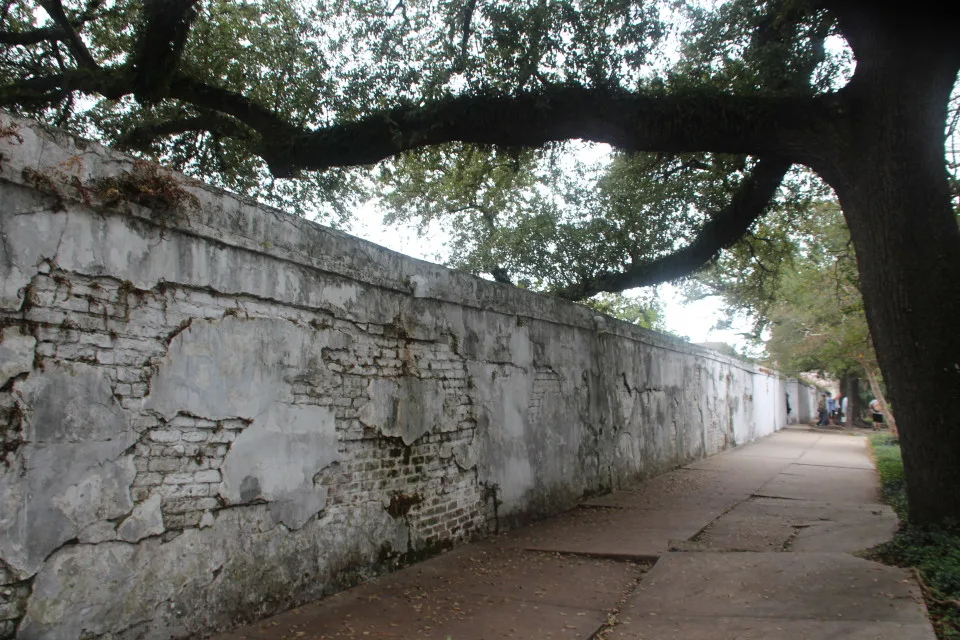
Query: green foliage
x=795, y=274
x=772, y=47
x=470, y=190
x=749, y=275
x=646, y=313
x=886, y=454
x=934, y=552
x=819, y=322
x=551, y=222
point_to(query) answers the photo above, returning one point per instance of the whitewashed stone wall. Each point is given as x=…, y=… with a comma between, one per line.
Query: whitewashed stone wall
x=211, y=411
x=802, y=399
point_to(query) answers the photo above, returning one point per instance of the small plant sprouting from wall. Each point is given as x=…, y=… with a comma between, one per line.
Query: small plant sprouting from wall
x=11, y=131
x=41, y=182
x=148, y=185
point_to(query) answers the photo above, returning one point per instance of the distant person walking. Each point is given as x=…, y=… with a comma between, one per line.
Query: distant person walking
x=822, y=410
x=876, y=413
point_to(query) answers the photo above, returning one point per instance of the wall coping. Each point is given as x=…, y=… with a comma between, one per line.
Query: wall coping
x=41, y=157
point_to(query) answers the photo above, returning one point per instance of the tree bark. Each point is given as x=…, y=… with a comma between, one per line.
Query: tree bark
x=850, y=389
x=888, y=170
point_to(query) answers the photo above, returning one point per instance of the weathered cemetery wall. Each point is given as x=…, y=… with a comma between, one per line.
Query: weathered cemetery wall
x=211, y=410
x=802, y=401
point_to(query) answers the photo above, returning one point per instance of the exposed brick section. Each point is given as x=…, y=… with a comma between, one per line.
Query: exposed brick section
x=123, y=330
x=180, y=461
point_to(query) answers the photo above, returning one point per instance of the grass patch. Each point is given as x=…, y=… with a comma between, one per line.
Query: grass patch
x=886, y=453
x=934, y=553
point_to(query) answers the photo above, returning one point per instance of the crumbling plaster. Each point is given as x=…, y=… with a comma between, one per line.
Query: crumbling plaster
x=212, y=414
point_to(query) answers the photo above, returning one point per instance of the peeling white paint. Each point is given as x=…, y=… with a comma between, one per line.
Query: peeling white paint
x=232, y=367
x=75, y=468
x=145, y=521
x=276, y=458
x=405, y=407
x=25, y=241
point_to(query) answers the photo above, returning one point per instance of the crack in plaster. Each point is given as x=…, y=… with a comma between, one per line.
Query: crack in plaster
x=241, y=363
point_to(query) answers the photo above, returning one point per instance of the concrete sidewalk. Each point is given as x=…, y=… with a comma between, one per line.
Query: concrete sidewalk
x=751, y=544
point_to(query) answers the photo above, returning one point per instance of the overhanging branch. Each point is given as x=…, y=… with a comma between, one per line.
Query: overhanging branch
x=31, y=37
x=221, y=106
x=702, y=120
x=78, y=49
x=683, y=121
x=160, y=42
x=214, y=123
x=49, y=34
x=109, y=83
x=247, y=111
x=724, y=228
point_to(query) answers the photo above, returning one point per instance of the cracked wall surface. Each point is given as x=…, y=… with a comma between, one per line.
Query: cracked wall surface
x=216, y=415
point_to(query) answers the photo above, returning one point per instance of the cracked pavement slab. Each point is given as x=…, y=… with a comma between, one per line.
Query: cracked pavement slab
x=478, y=591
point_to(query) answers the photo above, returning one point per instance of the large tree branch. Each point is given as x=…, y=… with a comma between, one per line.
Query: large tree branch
x=723, y=229
x=140, y=137
x=160, y=41
x=702, y=120
x=117, y=82
x=277, y=136
x=31, y=37
x=678, y=122
x=78, y=49
x=110, y=83
x=33, y=92
x=49, y=34
x=247, y=111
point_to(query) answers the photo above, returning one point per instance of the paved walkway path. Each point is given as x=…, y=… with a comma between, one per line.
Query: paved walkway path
x=751, y=544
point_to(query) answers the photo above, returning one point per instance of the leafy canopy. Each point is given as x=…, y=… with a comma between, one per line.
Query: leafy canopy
x=817, y=321
x=550, y=220
x=225, y=90
x=206, y=86
x=312, y=63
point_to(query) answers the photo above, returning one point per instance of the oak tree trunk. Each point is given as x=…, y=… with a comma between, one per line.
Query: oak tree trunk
x=850, y=389
x=891, y=180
